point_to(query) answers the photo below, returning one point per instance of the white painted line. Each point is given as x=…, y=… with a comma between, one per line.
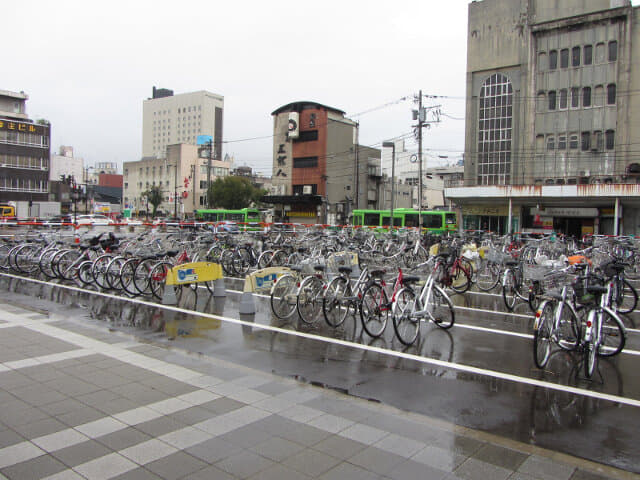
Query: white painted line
x=382, y=351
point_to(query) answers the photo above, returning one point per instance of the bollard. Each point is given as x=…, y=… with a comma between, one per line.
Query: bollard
x=247, y=305
x=219, y=289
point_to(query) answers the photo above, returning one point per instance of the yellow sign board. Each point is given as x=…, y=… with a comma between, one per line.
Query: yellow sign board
x=194, y=272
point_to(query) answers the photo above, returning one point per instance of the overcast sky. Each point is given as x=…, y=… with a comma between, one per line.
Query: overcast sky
x=88, y=66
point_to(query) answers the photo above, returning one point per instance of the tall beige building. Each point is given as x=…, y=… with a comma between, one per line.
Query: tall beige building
x=169, y=119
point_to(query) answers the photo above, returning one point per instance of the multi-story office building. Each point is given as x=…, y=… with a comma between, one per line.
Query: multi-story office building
x=24, y=151
x=64, y=163
x=550, y=132
x=169, y=119
x=184, y=188
x=320, y=173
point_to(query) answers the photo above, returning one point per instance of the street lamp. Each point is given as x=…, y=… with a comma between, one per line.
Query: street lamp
x=393, y=175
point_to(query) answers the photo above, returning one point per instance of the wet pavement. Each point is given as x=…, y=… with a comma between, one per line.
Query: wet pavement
x=478, y=375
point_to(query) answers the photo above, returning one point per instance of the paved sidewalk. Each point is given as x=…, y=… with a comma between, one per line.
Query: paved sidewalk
x=80, y=402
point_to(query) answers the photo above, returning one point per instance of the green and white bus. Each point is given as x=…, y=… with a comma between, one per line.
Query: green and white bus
x=434, y=221
x=243, y=215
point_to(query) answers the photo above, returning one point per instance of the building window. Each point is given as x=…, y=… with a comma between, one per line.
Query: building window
x=597, y=141
x=587, y=55
x=575, y=56
x=495, y=130
x=600, y=52
x=299, y=189
x=610, y=139
x=564, y=58
x=598, y=96
x=573, y=141
x=586, y=97
x=586, y=141
x=553, y=59
x=562, y=142
x=551, y=143
x=312, y=120
x=542, y=102
x=611, y=94
x=552, y=100
x=575, y=97
x=563, y=99
x=305, y=162
x=613, y=51
x=307, y=136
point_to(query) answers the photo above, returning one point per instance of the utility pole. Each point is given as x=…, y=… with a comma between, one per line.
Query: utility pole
x=357, y=170
x=420, y=121
x=421, y=116
x=210, y=156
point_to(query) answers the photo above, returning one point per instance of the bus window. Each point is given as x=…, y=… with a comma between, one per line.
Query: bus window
x=432, y=221
x=357, y=220
x=451, y=218
x=397, y=221
x=235, y=217
x=385, y=221
x=411, y=220
x=373, y=219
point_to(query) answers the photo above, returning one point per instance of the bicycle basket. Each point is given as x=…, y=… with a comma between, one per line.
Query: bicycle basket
x=535, y=272
x=497, y=256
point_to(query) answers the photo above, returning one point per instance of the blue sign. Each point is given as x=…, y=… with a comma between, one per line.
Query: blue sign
x=267, y=280
x=202, y=139
x=187, y=275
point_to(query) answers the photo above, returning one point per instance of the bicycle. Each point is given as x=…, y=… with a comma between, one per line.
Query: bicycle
x=376, y=306
x=409, y=309
x=556, y=319
x=342, y=296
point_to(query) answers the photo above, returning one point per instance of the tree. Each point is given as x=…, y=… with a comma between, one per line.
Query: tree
x=154, y=197
x=233, y=193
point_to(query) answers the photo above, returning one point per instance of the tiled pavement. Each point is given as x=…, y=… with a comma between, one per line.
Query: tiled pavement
x=84, y=403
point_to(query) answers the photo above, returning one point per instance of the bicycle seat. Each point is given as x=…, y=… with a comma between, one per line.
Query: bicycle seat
x=172, y=253
x=512, y=263
x=345, y=270
x=410, y=279
x=378, y=273
x=296, y=268
x=319, y=268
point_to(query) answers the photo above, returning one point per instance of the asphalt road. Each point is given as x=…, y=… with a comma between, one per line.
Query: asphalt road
x=479, y=374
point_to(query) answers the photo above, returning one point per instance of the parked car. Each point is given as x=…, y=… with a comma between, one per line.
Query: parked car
x=59, y=219
x=94, y=219
x=226, y=226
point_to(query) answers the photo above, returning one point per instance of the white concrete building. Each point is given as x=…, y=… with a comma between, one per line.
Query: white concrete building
x=169, y=119
x=64, y=163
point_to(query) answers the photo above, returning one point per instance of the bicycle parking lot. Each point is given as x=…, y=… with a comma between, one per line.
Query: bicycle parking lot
x=480, y=373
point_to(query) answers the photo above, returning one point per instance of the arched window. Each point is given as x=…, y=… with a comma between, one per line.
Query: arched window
x=495, y=125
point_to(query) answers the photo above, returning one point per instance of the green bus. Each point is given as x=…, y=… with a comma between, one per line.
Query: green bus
x=435, y=221
x=243, y=215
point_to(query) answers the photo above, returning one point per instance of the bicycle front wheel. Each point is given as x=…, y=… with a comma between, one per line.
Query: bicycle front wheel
x=460, y=278
x=334, y=308
x=590, y=359
x=440, y=308
x=406, y=328
x=374, y=310
x=627, y=298
x=283, y=296
x=542, y=334
x=613, y=335
x=309, y=301
x=509, y=294
x=158, y=278
x=488, y=276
